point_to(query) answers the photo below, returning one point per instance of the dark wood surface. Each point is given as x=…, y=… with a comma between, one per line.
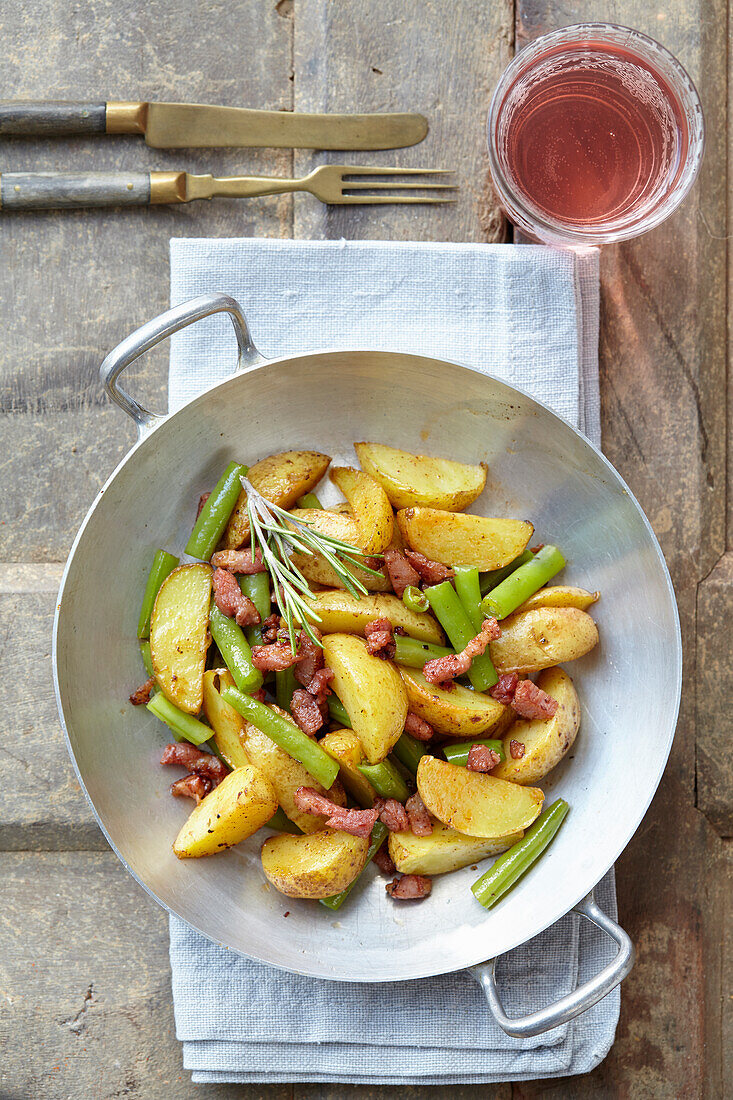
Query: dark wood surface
x=85, y=1004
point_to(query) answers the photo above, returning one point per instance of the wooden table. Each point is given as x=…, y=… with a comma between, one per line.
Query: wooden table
x=85, y=1006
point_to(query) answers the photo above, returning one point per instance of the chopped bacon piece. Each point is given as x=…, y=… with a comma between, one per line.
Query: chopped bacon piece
x=531, y=701
x=318, y=687
x=202, y=501
x=392, y=814
x=418, y=728
x=310, y=657
x=400, y=572
x=441, y=669
x=194, y=760
x=418, y=816
x=503, y=690
x=231, y=601
x=191, y=786
x=239, y=561
x=384, y=862
x=274, y=657
x=516, y=749
x=380, y=638
x=142, y=694
x=270, y=628
x=536, y=549
x=259, y=695
x=357, y=822
x=306, y=712
x=431, y=572
x=482, y=759
x=410, y=887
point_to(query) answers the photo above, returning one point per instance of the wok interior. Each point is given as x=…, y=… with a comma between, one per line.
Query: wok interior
x=539, y=469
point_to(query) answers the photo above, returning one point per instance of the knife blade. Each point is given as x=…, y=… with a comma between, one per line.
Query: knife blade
x=198, y=125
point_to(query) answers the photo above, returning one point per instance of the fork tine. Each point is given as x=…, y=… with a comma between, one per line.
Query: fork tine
x=372, y=199
x=394, y=186
x=371, y=170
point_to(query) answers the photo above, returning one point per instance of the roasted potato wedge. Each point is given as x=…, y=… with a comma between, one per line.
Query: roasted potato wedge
x=410, y=480
x=223, y=719
x=179, y=635
x=345, y=746
x=370, y=507
x=560, y=595
x=342, y=613
x=545, y=740
x=315, y=568
x=286, y=775
x=281, y=478
x=458, y=713
x=243, y=802
x=476, y=804
x=531, y=640
x=315, y=866
x=371, y=690
x=444, y=850
x=462, y=539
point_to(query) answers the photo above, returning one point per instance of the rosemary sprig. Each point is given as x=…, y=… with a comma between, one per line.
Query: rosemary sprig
x=279, y=535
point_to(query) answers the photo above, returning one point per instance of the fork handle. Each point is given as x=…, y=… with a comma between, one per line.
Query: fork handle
x=73, y=190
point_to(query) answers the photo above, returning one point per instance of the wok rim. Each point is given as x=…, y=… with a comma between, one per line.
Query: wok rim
x=586, y=888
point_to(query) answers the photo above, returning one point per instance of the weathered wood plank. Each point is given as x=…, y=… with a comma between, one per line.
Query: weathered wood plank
x=418, y=55
x=714, y=764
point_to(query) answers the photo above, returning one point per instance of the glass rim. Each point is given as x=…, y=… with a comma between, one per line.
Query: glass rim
x=554, y=230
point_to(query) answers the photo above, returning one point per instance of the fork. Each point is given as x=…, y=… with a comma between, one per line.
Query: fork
x=331, y=183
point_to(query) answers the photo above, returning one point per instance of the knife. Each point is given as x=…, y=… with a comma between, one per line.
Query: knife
x=196, y=125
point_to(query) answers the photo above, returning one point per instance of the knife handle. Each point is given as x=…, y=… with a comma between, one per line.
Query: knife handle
x=73, y=190
x=36, y=118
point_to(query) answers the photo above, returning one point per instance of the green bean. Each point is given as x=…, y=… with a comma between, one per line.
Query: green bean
x=309, y=500
x=184, y=726
x=386, y=780
x=414, y=599
x=338, y=711
x=282, y=823
x=496, y=576
x=163, y=564
x=469, y=593
x=209, y=527
x=451, y=615
x=147, y=659
x=289, y=737
x=510, y=866
x=379, y=835
x=523, y=582
x=414, y=654
x=409, y=751
x=234, y=648
x=256, y=588
x=457, y=752
x=285, y=685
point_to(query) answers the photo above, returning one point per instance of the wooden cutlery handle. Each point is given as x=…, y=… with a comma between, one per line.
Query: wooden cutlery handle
x=36, y=118
x=65, y=190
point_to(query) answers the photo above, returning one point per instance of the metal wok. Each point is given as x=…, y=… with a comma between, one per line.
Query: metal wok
x=541, y=468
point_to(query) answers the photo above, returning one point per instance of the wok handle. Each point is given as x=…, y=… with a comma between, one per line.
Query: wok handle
x=581, y=999
x=153, y=332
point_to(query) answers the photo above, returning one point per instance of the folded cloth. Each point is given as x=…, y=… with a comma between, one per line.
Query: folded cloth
x=528, y=315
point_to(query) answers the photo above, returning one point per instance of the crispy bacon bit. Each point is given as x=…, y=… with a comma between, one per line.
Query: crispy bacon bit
x=231, y=601
x=531, y=701
x=384, y=862
x=418, y=728
x=418, y=816
x=142, y=694
x=202, y=501
x=310, y=657
x=239, y=561
x=270, y=627
x=191, y=786
x=536, y=549
x=392, y=814
x=380, y=638
x=431, y=572
x=259, y=695
x=306, y=712
x=357, y=822
x=503, y=690
x=318, y=687
x=188, y=756
x=409, y=887
x=516, y=749
x=274, y=657
x=400, y=572
x=482, y=759
x=441, y=669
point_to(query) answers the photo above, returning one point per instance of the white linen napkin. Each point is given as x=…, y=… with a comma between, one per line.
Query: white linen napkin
x=528, y=315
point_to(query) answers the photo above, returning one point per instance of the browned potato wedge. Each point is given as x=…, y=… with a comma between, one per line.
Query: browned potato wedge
x=286, y=775
x=223, y=719
x=179, y=635
x=281, y=478
x=545, y=740
x=370, y=506
x=315, y=866
x=342, y=613
x=444, y=850
x=371, y=690
x=473, y=803
x=458, y=713
x=345, y=746
x=560, y=595
x=410, y=479
x=531, y=640
x=458, y=539
x=243, y=802
x=315, y=568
